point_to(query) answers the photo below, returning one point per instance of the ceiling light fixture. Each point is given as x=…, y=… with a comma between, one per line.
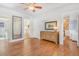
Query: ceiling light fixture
x=32, y=6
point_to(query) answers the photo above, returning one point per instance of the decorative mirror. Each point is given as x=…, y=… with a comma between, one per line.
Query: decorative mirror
x=16, y=27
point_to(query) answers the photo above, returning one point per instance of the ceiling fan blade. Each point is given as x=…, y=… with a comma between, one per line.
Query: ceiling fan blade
x=38, y=7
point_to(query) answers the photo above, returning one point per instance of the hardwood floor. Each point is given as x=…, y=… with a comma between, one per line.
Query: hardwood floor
x=37, y=47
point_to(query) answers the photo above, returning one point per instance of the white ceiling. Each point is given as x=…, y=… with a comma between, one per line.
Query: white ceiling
x=47, y=8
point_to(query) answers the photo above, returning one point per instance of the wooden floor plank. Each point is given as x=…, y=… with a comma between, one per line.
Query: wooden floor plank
x=40, y=48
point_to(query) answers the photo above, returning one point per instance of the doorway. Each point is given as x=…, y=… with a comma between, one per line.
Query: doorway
x=66, y=29
x=70, y=34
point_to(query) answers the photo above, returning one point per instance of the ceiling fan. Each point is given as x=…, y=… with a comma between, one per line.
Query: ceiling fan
x=32, y=6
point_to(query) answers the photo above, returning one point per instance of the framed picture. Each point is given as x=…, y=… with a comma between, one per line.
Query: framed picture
x=50, y=25
x=16, y=27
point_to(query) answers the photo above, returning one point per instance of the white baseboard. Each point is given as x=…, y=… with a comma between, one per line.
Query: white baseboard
x=16, y=40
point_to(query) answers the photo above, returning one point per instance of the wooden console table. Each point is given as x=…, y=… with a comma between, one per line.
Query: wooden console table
x=51, y=36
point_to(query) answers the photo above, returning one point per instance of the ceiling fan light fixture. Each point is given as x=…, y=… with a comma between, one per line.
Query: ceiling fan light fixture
x=32, y=6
